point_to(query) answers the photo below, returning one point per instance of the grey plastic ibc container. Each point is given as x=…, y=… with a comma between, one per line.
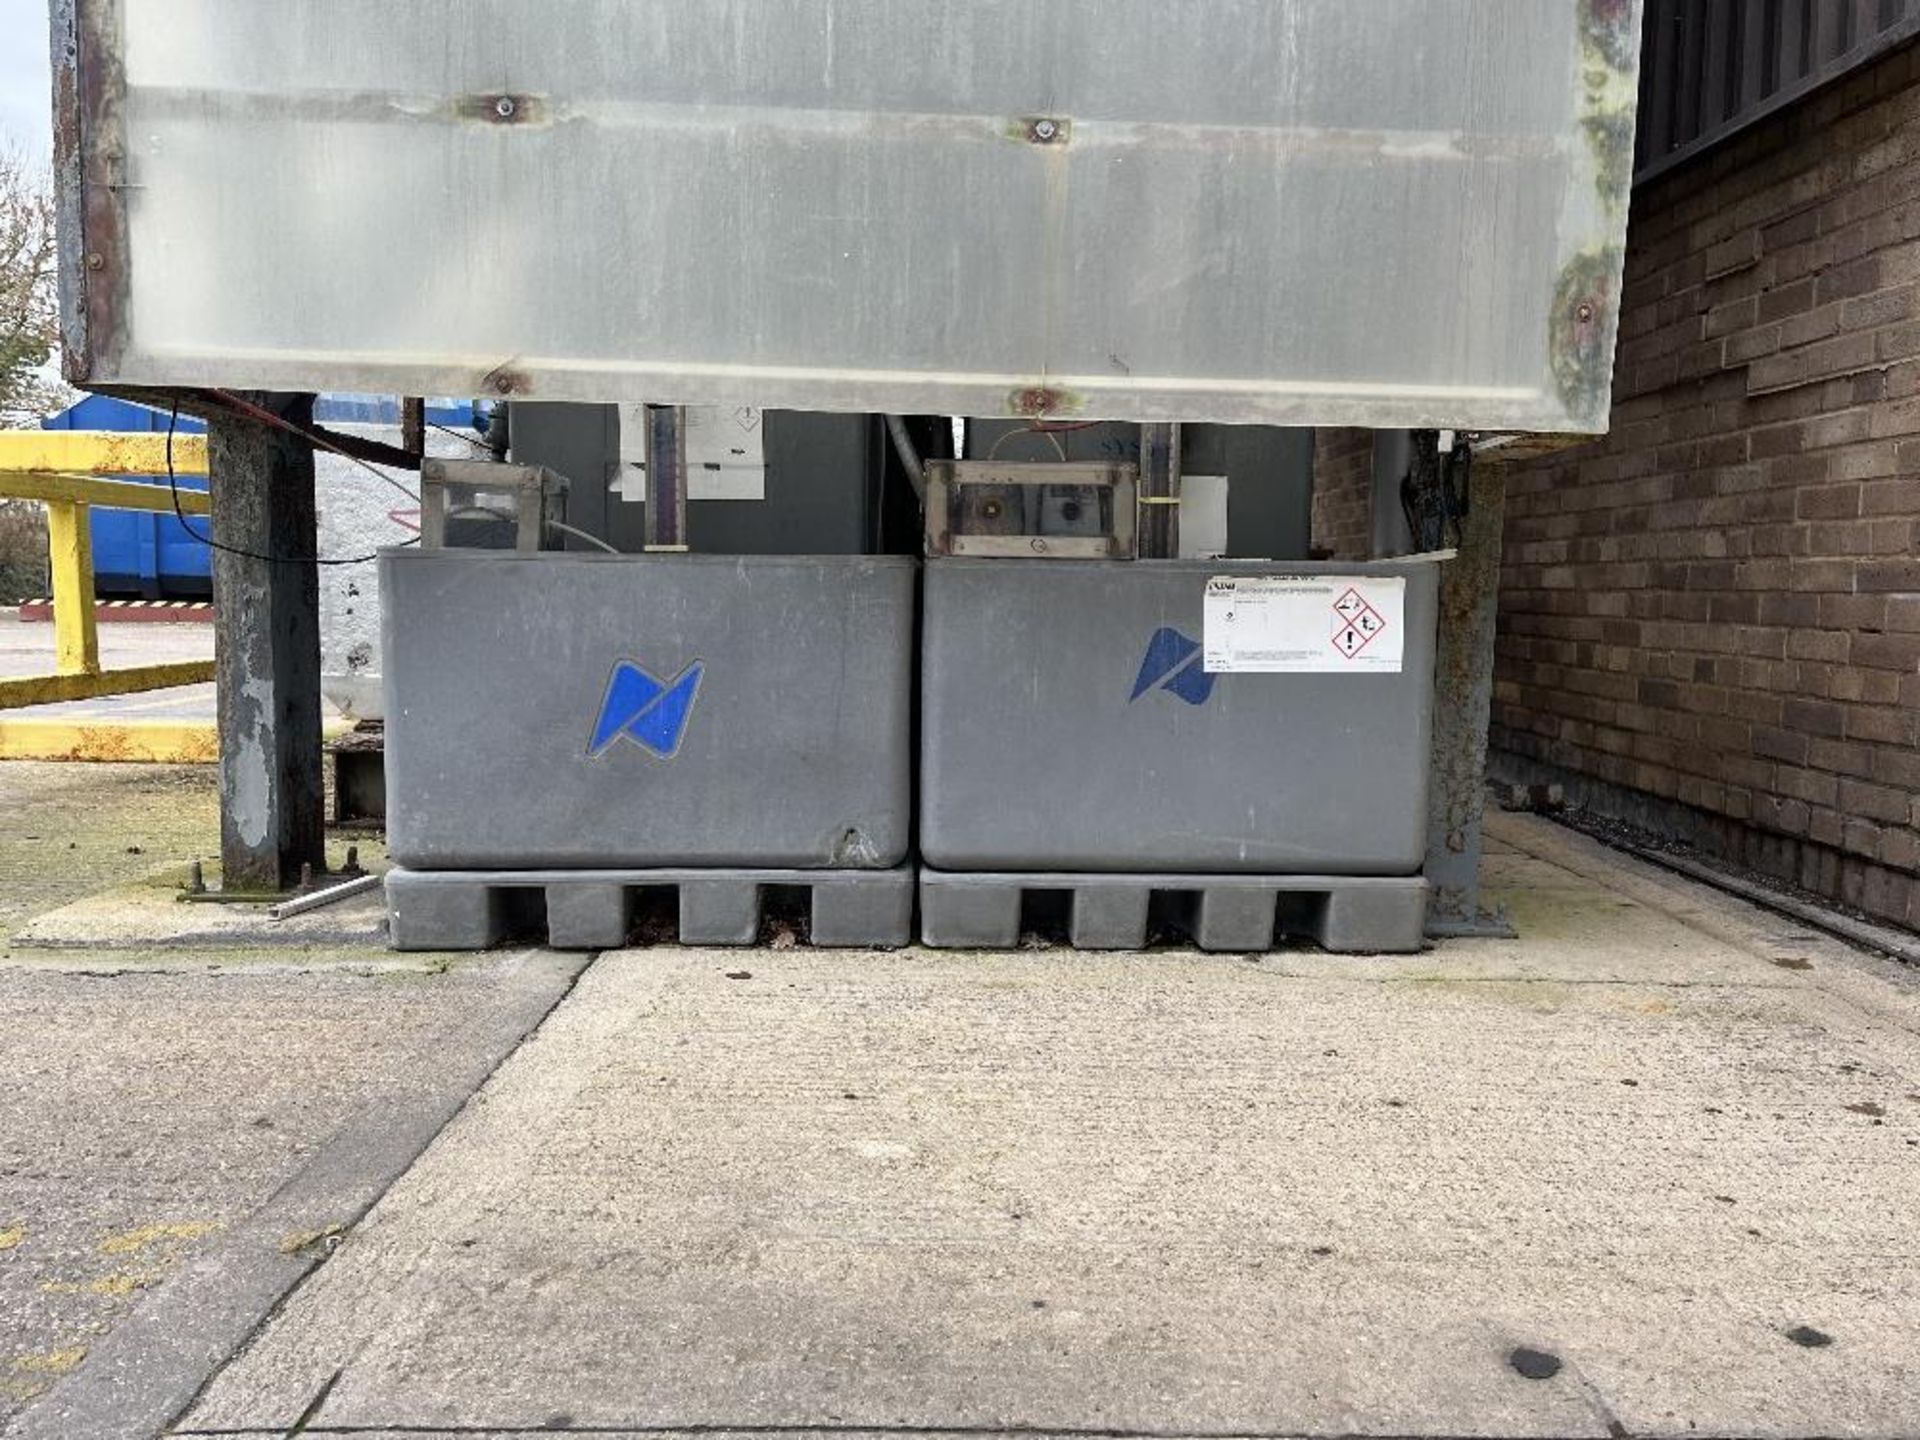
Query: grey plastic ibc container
x=1038, y=755
x=616, y=711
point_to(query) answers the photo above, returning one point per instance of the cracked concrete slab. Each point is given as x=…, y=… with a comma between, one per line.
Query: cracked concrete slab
x=1165, y=1193
x=178, y=1147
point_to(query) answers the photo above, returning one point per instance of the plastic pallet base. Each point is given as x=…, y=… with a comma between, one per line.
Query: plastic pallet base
x=597, y=909
x=1347, y=914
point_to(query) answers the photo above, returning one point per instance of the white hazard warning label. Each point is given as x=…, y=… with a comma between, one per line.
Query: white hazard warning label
x=1304, y=623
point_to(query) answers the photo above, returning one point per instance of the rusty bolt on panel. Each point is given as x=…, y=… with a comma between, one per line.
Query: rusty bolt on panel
x=1035, y=401
x=96, y=261
x=1584, y=311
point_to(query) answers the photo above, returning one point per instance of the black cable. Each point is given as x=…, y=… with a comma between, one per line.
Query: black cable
x=472, y=437
x=173, y=486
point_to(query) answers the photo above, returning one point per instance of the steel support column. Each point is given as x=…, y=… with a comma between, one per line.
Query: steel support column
x=1462, y=705
x=267, y=628
x=1159, y=527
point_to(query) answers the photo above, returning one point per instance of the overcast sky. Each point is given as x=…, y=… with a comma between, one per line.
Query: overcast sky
x=24, y=87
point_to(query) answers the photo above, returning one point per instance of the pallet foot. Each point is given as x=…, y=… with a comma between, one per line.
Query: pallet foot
x=599, y=909
x=1347, y=914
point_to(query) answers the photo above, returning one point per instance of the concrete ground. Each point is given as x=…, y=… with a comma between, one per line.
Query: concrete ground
x=171, y=726
x=1649, y=1170
x=149, y=1112
x=187, y=1110
x=26, y=648
x=70, y=831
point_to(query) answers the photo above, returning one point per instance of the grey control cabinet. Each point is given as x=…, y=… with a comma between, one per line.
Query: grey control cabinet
x=823, y=481
x=1059, y=732
x=593, y=711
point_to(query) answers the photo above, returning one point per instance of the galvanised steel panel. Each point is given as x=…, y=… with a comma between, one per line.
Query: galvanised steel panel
x=1392, y=213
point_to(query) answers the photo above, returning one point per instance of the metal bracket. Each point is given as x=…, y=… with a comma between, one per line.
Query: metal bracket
x=1023, y=509
x=448, y=487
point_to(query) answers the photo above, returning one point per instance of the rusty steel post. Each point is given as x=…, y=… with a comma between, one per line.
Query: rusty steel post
x=1462, y=706
x=267, y=647
x=413, y=425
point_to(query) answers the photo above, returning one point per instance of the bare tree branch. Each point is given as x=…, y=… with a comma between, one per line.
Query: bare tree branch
x=29, y=304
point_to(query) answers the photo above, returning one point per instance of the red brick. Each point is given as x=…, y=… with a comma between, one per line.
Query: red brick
x=1875, y=802
x=1774, y=743
x=1856, y=278
x=1825, y=574
x=1842, y=757
x=1899, y=767
x=1805, y=329
x=1883, y=725
x=1900, y=848
x=1828, y=502
x=1752, y=344
x=1735, y=315
x=1823, y=826
x=1862, y=837
x=1853, y=612
x=1870, y=312
x=1775, y=813
x=1897, y=496
x=1880, y=576
x=1787, y=300
x=1719, y=602
x=1812, y=786
x=1827, y=645
x=1815, y=717
x=1791, y=368
x=1737, y=253
x=1902, y=613
x=1840, y=538
x=1886, y=652
x=1893, y=537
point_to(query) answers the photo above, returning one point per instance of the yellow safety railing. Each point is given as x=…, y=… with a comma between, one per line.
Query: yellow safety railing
x=63, y=469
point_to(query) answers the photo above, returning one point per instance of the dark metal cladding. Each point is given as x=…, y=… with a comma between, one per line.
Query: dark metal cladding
x=1712, y=67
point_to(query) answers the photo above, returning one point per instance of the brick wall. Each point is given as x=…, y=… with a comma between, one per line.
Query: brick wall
x=1718, y=607
x=1343, y=493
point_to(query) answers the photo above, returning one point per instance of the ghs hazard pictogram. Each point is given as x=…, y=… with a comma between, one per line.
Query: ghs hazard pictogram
x=1356, y=624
